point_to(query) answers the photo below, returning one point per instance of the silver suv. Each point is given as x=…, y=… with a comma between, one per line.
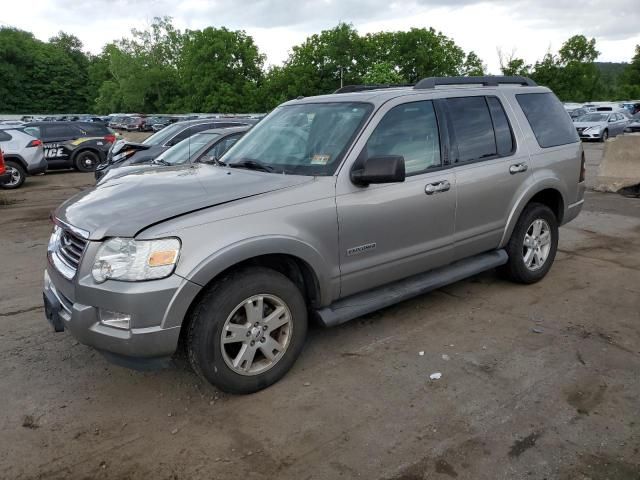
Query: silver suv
x=330, y=208
x=23, y=155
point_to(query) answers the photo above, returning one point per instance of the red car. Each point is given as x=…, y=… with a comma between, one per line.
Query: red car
x=4, y=175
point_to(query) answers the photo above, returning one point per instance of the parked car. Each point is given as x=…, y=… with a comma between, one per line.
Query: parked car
x=577, y=113
x=136, y=153
x=4, y=124
x=632, y=107
x=600, y=125
x=634, y=124
x=23, y=156
x=78, y=145
x=135, y=124
x=5, y=176
x=203, y=147
x=333, y=207
x=161, y=123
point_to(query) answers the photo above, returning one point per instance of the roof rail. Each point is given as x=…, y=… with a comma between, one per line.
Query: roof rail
x=363, y=88
x=485, y=81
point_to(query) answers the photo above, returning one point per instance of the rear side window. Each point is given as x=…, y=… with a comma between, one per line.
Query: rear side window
x=94, y=130
x=504, y=135
x=472, y=127
x=61, y=131
x=549, y=122
x=4, y=136
x=186, y=133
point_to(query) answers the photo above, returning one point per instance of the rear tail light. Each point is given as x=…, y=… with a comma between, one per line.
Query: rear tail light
x=111, y=138
x=34, y=143
x=583, y=170
x=2, y=167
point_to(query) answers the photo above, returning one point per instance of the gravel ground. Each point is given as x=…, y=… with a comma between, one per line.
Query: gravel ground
x=538, y=382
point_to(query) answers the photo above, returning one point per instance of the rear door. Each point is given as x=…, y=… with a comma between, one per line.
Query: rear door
x=489, y=167
x=54, y=137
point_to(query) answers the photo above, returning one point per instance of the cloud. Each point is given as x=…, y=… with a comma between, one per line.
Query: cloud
x=528, y=27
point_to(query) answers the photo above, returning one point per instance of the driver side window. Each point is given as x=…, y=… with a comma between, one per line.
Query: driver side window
x=409, y=130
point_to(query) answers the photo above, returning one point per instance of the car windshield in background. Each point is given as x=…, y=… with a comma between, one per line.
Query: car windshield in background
x=159, y=138
x=594, y=117
x=180, y=153
x=305, y=139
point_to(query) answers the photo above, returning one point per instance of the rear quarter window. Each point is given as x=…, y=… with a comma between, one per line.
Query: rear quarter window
x=4, y=136
x=548, y=119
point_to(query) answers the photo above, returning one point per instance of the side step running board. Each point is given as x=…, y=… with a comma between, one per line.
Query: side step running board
x=360, y=304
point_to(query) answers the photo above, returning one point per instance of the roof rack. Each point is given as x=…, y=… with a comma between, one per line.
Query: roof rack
x=363, y=88
x=485, y=81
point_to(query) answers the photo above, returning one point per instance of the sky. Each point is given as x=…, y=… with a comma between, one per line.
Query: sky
x=527, y=28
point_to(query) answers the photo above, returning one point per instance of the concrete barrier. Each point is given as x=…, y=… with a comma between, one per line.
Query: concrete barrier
x=620, y=166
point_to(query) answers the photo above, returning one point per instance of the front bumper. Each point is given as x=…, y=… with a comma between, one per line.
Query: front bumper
x=157, y=309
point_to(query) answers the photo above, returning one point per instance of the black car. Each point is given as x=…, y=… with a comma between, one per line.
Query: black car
x=78, y=145
x=203, y=147
x=128, y=153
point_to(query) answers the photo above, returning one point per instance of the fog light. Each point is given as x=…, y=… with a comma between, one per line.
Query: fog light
x=115, y=319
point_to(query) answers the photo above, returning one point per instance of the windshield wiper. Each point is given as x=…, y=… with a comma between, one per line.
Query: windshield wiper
x=251, y=164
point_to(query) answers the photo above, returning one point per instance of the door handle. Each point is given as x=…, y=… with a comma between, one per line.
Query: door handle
x=437, y=187
x=518, y=168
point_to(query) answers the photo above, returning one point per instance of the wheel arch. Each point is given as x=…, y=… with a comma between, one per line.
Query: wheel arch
x=16, y=158
x=548, y=193
x=295, y=268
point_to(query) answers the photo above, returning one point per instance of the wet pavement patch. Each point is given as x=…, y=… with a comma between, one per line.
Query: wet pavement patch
x=521, y=446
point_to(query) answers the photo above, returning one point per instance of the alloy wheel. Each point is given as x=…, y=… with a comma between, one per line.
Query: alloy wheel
x=537, y=244
x=256, y=334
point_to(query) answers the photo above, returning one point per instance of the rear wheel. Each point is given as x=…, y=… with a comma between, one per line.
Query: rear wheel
x=533, y=245
x=17, y=175
x=247, y=330
x=86, y=161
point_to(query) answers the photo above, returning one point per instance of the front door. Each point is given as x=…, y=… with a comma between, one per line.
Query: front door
x=391, y=231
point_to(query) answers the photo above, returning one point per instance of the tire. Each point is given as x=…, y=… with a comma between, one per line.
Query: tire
x=86, y=161
x=225, y=309
x=604, y=137
x=18, y=175
x=522, y=268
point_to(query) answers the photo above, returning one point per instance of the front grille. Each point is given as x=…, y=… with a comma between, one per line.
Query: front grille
x=69, y=251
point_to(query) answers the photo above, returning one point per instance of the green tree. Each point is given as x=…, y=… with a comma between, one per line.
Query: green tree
x=220, y=71
x=383, y=73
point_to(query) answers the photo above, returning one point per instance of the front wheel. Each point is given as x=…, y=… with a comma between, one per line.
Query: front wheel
x=86, y=161
x=248, y=330
x=533, y=245
x=605, y=136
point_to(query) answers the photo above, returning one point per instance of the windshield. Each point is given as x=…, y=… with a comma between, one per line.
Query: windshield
x=160, y=137
x=594, y=117
x=306, y=139
x=182, y=151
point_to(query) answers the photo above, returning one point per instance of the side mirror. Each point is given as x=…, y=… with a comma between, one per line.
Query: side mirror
x=381, y=169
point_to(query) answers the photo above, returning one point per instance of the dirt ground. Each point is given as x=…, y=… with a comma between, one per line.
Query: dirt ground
x=538, y=382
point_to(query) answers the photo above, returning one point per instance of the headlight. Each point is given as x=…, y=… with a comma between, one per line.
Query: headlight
x=54, y=239
x=132, y=260
x=121, y=156
x=595, y=130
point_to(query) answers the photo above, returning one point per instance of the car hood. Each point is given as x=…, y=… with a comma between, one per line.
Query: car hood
x=588, y=124
x=126, y=205
x=113, y=173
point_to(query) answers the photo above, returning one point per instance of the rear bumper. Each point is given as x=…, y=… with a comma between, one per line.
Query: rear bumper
x=37, y=167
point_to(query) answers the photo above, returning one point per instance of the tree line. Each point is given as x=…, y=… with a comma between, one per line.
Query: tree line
x=162, y=69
